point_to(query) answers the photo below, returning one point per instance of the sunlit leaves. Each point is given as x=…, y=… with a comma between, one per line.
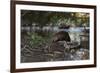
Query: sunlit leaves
x=43, y=18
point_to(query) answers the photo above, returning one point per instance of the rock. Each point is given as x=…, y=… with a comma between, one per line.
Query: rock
x=81, y=54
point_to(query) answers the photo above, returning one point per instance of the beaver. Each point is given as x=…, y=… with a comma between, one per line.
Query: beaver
x=61, y=36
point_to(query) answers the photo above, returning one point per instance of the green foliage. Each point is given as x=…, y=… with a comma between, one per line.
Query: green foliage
x=42, y=18
x=38, y=40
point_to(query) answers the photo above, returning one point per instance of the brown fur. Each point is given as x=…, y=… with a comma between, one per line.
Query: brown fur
x=61, y=36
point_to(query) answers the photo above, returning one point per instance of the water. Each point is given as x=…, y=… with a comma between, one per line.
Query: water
x=71, y=29
x=39, y=53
